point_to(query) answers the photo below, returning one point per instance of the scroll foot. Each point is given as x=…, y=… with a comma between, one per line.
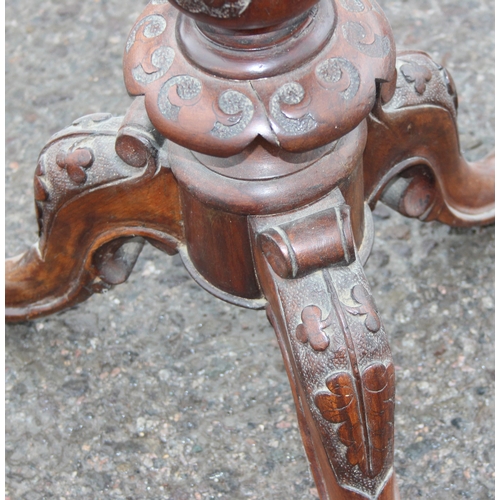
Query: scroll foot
x=412, y=159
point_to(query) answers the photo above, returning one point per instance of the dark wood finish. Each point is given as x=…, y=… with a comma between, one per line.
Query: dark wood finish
x=137, y=140
x=305, y=245
x=216, y=252
x=292, y=109
x=274, y=51
x=88, y=198
x=330, y=341
x=261, y=134
x=412, y=157
x=244, y=14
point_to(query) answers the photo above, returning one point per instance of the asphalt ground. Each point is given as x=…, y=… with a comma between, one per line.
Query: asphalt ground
x=157, y=389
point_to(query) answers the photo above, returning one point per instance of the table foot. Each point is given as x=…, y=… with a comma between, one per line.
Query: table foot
x=412, y=160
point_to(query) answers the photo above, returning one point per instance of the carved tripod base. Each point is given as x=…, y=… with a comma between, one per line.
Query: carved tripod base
x=271, y=214
x=105, y=185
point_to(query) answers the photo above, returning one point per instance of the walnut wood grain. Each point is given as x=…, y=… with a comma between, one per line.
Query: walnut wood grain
x=222, y=257
x=90, y=204
x=412, y=158
x=260, y=133
x=337, y=357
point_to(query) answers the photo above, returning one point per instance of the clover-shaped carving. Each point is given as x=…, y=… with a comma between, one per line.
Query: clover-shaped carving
x=311, y=328
x=367, y=306
x=75, y=163
x=415, y=73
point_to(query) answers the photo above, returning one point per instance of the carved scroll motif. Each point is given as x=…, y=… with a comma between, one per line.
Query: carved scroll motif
x=237, y=111
x=152, y=27
x=353, y=5
x=355, y=34
x=162, y=58
x=291, y=94
x=330, y=72
x=188, y=89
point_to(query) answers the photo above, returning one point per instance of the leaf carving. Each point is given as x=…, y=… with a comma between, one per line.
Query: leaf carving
x=379, y=392
x=366, y=422
x=340, y=406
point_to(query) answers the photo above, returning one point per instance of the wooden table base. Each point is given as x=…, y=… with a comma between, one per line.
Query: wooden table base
x=256, y=147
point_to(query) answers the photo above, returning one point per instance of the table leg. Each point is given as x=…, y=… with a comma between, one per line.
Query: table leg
x=95, y=211
x=334, y=347
x=412, y=159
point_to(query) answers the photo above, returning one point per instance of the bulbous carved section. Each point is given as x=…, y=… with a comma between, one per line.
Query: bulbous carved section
x=299, y=93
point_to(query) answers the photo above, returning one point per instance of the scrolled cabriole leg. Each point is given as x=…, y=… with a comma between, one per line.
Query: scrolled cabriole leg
x=97, y=186
x=334, y=347
x=412, y=159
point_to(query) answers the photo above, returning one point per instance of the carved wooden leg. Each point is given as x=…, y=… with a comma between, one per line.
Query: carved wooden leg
x=412, y=159
x=94, y=211
x=334, y=347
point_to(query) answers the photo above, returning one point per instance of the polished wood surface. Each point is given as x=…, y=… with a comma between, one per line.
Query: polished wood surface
x=260, y=136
